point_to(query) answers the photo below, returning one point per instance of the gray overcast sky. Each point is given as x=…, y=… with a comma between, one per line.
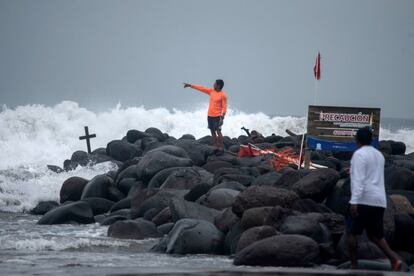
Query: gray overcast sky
x=99, y=53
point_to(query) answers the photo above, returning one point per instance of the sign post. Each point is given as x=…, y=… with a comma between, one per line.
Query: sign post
x=333, y=128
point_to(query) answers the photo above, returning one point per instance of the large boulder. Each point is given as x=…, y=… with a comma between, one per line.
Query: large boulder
x=316, y=185
x=279, y=250
x=97, y=187
x=75, y=212
x=255, y=234
x=158, y=201
x=133, y=135
x=308, y=205
x=398, y=178
x=289, y=177
x=225, y=220
x=122, y=204
x=99, y=205
x=158, y=159
x=233, y=185
x=338, y=199
x=307, y=225
x=133, y=229
x=269, y=179
x=181, y=209
x=197, y=191
x=43, y=207
x=218, y=198
x=121, y=150
x=404, y=238
x=401, y=205
x=255, y=217
x=185, y=179
x=72, y=188
x=215, y=165
x=366, y=249
x=163, y=217
x=258, y=196
x=155, y=132
x=192, y=236
x=195, y=150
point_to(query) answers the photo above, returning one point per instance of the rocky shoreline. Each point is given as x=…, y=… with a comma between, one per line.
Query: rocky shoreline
x=199, y=201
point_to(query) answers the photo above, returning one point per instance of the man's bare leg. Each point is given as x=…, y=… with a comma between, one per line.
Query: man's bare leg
x=215, y=138
x=392, y=256
x=353, y=250
x=220, y=141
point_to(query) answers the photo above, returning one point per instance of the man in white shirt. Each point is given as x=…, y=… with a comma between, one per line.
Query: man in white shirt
x=368, y=199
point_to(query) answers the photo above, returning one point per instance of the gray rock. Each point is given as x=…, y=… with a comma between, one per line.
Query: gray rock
x=122, y=204
x=191, y=236
x=289, y=177
x=308, y=225
x=165, y=228
x=160, y=200
x=255, y=217
x=308, y=205
x=197, y=191
x=225, y=220
x=181, y=209
x=218, y=199
x=43, y=207
x=366, y=249
x=398, y=178
x=99, y=205
x=155, y=161
x=162, y=217
x=317, y=184
x=112, y=219
x=79, y=212
x=122, y=150
x=230, y=185
x=133, y=229
x=279, y=250
x=258, y=196
x=97, y=187
x=72, y=188
x=268, y=179
x=255, y=234
x=183, y=178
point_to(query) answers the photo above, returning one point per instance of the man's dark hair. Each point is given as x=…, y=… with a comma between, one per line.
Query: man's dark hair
x=364, y=136
x=220, y=83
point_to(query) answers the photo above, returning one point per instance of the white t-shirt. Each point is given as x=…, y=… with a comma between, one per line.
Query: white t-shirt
x=367, y=177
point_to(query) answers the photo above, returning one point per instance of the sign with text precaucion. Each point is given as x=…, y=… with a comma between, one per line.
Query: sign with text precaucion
x=333, y=128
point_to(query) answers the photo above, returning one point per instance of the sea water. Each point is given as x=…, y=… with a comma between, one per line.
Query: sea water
x=33, y=136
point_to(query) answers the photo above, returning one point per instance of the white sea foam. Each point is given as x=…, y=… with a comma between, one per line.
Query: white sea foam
x=33, y=136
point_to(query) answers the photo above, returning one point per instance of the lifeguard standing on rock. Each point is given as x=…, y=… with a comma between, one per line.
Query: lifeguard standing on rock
x=216, y=110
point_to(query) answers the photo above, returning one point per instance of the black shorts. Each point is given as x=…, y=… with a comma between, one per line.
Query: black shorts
x=369, y=218
x=214, y=123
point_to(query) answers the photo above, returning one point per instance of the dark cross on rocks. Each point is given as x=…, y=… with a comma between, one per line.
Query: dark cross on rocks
x=246, y=130
x=87, y=137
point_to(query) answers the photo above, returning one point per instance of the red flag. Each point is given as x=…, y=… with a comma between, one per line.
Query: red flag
x=317, y=67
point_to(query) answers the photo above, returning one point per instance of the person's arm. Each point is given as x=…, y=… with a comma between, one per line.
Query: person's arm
x=198, y=87
x=223, y=105
x=223, y=108
x=357, y=179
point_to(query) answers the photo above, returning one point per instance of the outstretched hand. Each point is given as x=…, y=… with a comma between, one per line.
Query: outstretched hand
x=186, y=84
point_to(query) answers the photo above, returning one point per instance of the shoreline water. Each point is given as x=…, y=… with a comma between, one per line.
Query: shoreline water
x=100, y=255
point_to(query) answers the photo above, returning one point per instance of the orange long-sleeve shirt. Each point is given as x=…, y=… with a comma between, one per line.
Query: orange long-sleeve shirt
x=218, y=100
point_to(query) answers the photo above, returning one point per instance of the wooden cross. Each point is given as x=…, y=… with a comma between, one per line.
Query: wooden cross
x=87, y=137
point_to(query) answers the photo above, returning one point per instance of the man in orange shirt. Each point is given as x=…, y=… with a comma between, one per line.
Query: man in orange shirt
x=216, y=110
